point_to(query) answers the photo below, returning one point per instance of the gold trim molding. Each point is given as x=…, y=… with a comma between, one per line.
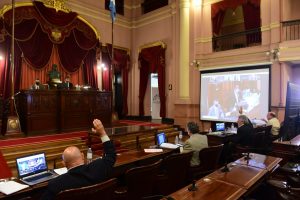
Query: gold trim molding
x=154, y=44
x=203, y=40
x=270, y=26
x=57, y=4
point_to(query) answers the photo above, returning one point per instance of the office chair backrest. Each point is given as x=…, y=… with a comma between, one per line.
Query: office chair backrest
x=140, y=180
x=103, y=191
x=209, y=157
x=175, y=168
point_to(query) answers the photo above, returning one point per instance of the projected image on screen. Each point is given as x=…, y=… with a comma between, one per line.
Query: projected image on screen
x=224, y=92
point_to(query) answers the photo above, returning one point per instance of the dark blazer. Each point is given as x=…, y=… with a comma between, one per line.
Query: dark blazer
x=97, y=171
x=244, y=135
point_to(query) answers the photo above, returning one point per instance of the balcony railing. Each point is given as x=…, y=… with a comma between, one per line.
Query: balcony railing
x=237, y=40
x=291, y=30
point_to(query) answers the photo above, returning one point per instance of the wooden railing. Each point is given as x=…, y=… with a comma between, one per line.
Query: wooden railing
x=291, y=30
x=237, y=40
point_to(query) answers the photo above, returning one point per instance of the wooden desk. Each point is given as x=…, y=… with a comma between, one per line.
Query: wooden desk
x=134, y=158
x=62, y=110
x=124, y=162
x=210, y=189
x=260, y=161
x=286, y=149
x=219, y=139
x=240, y=175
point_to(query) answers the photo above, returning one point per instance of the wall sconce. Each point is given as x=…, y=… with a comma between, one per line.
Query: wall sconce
x=196, y=64
x=274, y=54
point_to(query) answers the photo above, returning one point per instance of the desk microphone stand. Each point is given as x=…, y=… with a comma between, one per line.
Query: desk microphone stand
x=247, y=156
x=193, y=187
x=225, y=168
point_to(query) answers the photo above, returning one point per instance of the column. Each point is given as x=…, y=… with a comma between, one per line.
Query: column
x=184, y=49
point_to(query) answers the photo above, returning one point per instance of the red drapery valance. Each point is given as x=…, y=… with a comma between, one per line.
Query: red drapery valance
x=152, y=60
x=37, y=29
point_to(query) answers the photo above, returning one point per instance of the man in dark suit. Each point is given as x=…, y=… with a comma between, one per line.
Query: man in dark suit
x=79, y=174
x=244, y=134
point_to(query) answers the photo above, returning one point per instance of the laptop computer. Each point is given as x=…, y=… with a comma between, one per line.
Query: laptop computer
x=33, y=169
x=220, y=126
x=162, y=142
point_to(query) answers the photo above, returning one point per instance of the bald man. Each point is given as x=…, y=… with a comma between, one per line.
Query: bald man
x=80, y=174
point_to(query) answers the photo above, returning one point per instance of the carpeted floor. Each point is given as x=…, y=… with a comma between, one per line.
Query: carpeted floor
x=25, y=140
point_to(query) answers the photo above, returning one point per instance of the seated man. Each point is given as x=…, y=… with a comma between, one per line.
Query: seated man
x=65, y=85
x=274, y=122
x=79, y=174
x=195, y=143
x=244, y=134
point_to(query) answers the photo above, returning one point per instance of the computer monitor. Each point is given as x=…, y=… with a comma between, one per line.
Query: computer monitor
x=220, y=126
x=161, y=138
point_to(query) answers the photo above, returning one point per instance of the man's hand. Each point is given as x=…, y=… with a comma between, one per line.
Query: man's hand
x=98, y=127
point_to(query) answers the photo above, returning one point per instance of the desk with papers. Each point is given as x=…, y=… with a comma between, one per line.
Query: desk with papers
x=239, y=181
x=125, y=161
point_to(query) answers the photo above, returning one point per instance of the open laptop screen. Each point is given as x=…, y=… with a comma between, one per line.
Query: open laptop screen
x=29, y=165
x=220, y=126
x=161, y=138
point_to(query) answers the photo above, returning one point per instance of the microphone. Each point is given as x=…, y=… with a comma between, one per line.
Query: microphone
x=246, y=156
x=193, y=187
x=225, y=168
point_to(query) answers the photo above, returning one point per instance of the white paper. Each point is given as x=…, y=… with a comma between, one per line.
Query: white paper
x=61, y=171
x=10, y=187
x=153, y=150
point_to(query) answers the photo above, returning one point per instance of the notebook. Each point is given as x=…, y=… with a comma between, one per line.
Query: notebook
x=162, y=142
x=220, y=126
x=33, y=169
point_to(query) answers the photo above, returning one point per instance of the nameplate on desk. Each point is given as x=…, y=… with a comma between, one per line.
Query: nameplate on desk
x=9, y=187
x=153, y=150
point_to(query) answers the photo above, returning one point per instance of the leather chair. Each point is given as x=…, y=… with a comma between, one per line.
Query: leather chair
x=209, y=159
x=139, y=182
x=103, y=191
x=174, y=173
x=283, y=190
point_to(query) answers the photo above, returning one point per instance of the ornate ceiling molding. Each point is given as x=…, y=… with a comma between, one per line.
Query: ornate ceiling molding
x=57, y=4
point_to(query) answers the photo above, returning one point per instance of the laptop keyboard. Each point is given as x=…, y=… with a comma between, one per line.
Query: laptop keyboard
x=34, y=178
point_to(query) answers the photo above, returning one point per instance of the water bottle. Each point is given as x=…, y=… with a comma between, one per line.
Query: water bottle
x=209, y=131
x=176, y=139
x=89, y=155
x=232, y=127
x=180, y=137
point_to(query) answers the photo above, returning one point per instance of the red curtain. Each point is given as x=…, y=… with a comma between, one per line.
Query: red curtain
x=5, y=68
x=152, y=60
x=37, y=30
x=36, y=49
x=106, y=73
x=218, y=11
x=121, y=64
x=144, y=76
x=90, y=69
x=252, y=21
x=217, y=22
